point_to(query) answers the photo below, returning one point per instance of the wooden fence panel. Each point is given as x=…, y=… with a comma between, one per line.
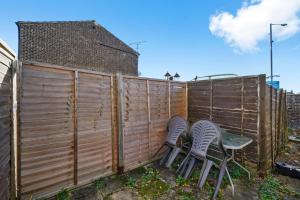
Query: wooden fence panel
x=66, y=133
x=178, y=99
x=6, y=127
x=160, y=112
x=293, y=103
x=147, y=106
x=95, y=138
x=136, y=129
x=46, y=106
x=234, y=104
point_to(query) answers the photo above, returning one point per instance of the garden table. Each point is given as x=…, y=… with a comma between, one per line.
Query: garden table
x=231, y=142
x=234, y=142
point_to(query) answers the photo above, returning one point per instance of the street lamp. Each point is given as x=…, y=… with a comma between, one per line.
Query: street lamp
x=271, y=48
x=167, y=76
x=271, y=88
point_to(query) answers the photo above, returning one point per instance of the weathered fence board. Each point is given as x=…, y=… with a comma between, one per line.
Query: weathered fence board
x=6, y=127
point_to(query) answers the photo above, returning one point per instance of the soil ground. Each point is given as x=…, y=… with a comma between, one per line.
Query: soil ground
x=156, y=182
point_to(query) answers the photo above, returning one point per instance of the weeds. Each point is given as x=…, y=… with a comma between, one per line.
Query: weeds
x=150, y=185
x=131, y=182
x=272, y=189
x=183, y=195
x=180, y=181
x=98, y=184
x=64, y=194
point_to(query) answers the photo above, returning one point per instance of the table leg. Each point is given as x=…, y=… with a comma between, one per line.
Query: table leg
x=238, y=164
x=230, y=180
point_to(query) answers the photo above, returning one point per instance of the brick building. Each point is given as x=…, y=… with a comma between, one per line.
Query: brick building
x=79, y=44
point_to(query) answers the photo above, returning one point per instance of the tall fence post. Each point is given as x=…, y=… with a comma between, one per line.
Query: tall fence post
x=120, y=123
x=75, y=128
x=242, y=115
x=18, y=136
x=261, y=125
x=112, y=121
x=149, y=119
x=169, y=97
x=211, y=100
x=13, y=136
x=186, y=101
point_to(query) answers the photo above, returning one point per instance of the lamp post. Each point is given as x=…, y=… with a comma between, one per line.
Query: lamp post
x=271, y=48
x=271, y=88
x=167, y=76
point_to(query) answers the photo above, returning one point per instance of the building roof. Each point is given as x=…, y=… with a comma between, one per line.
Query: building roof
x=100, y=32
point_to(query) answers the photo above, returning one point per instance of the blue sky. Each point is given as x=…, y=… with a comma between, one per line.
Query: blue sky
x=177, y=35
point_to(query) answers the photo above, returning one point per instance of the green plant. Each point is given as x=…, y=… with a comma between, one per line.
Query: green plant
x=64, y=194
x=268, y=189
x=151, y=185
x=98, y=184
x=184, y=195
x=272, y=189
x=151, y=174
x=180, y=181
x=131, y=182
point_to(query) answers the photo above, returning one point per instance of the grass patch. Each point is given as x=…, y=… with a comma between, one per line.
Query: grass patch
x=98, y=184
x=272, y=189
x=150, y=185
x=184, y=195
x=130, y=182
x=180, y=181
x=64, y=194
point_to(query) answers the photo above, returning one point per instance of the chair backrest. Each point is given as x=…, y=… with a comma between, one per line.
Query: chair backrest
x=205, y=132
x=176, y=126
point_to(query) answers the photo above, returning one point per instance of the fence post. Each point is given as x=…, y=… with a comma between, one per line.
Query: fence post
x=75, y=127
x=18, y=136
x=169, y=97
x=113, y=138
x=262, y=146
x=14, y=68
x=120, y=123
x=211, y=100
x=149, y=120
x=242, y=116
x=186, y=101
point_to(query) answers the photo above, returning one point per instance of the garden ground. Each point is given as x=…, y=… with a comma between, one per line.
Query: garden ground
x=155, y=182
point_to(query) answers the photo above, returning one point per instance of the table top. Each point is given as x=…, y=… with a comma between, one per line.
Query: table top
x=234, y=141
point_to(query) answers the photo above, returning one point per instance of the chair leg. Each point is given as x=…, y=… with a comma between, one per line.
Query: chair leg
x=190, y=168
x=203, y=176
x=172, y=156
x=158, y=150
x=183, y=164
x=165, y=156
x=220, y=178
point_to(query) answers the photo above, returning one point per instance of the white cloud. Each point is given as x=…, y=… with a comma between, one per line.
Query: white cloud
x=250, y=25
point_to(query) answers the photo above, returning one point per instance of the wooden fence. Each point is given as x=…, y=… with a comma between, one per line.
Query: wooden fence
x=241, y=105
x=145, y=107
x=76, y=125
x=293, y=103
x=6, y=128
